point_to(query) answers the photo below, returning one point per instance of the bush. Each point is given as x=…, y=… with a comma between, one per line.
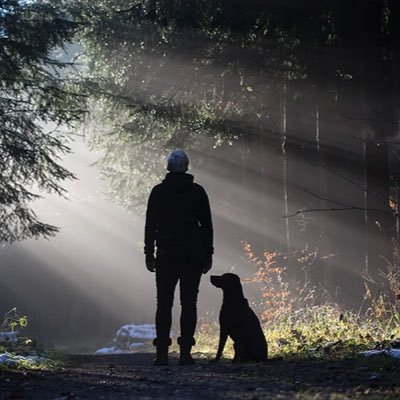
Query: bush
x=10, y=340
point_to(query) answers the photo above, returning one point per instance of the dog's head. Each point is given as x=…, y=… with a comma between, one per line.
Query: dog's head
x=226, y=281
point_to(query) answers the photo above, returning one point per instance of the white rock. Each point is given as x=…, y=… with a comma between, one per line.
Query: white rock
x=130, y=338
x=8, y=336
x=109, y=350
x=4, y=357
x=392, y=353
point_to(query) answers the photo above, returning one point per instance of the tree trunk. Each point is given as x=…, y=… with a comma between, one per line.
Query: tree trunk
x=379, y=112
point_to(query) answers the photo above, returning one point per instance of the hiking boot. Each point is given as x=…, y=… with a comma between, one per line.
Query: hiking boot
x=185, y=345
x=162, y=345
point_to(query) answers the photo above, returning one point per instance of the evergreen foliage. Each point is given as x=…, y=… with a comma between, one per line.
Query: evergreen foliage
x=34, y=96
x=176, y=74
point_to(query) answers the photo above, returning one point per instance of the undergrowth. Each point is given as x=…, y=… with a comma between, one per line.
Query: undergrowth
x=296, y=325
x=314, y=332
x=22, y=352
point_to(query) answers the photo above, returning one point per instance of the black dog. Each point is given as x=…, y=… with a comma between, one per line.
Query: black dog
x=239, y=321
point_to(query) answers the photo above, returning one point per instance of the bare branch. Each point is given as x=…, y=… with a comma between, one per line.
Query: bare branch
x=393, y=122
x=345, y=207
x=338, y=209
x=374, y=193
x=329, y=200
x=396, y=142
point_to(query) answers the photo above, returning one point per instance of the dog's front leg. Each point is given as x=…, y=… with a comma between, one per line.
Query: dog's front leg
x=223, y=336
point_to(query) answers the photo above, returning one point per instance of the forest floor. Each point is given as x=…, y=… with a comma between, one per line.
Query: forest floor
x=134, y=377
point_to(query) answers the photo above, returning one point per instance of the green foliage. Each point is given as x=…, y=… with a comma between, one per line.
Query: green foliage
x=12, y=321
x=171, y=73
x=175, y=74
x=31, y=364
x=35, y=100
x=324, y=332
x=22, y=351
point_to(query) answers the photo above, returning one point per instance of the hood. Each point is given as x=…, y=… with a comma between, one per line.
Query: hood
x=178, y=182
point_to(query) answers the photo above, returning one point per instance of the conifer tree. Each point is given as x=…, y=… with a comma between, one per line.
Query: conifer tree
x=36, y=99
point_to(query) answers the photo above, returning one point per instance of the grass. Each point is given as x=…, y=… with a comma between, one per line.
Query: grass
x=321, y=346
x=297, y=328
x=313, y=332
x=44, y=365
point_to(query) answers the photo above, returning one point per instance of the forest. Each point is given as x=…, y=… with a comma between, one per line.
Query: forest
x=290, y=114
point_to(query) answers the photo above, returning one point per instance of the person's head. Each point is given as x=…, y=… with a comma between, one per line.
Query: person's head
x=178, y=161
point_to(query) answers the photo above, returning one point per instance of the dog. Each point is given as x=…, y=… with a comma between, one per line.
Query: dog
x=239, y=321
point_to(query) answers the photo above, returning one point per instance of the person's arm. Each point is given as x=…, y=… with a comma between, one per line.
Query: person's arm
x=150, y=231
x=206, y=227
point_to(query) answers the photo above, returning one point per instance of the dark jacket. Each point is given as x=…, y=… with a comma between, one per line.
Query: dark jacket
x=178, y=217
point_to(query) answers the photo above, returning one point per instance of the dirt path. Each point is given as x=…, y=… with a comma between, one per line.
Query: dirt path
x=134, y=377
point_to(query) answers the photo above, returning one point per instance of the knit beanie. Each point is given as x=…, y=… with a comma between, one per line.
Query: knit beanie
x=178, y=161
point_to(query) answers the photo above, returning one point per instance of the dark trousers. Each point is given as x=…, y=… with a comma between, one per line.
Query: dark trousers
x=170, y=270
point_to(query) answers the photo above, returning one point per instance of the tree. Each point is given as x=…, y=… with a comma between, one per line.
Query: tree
x=36, y=99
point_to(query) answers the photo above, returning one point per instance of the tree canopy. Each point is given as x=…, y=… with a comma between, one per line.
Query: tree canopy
x=176, y=73
x=270, y=94
x=36, y=99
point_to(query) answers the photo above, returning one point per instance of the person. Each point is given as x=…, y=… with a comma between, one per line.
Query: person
x=179, y=226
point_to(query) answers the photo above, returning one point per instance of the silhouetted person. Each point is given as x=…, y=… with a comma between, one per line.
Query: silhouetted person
x=179, y=225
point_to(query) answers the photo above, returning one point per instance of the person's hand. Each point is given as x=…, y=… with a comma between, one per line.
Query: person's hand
x=150, y=262
x=207, y=264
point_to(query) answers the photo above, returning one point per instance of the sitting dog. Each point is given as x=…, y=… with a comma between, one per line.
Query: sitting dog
x=239, y=321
